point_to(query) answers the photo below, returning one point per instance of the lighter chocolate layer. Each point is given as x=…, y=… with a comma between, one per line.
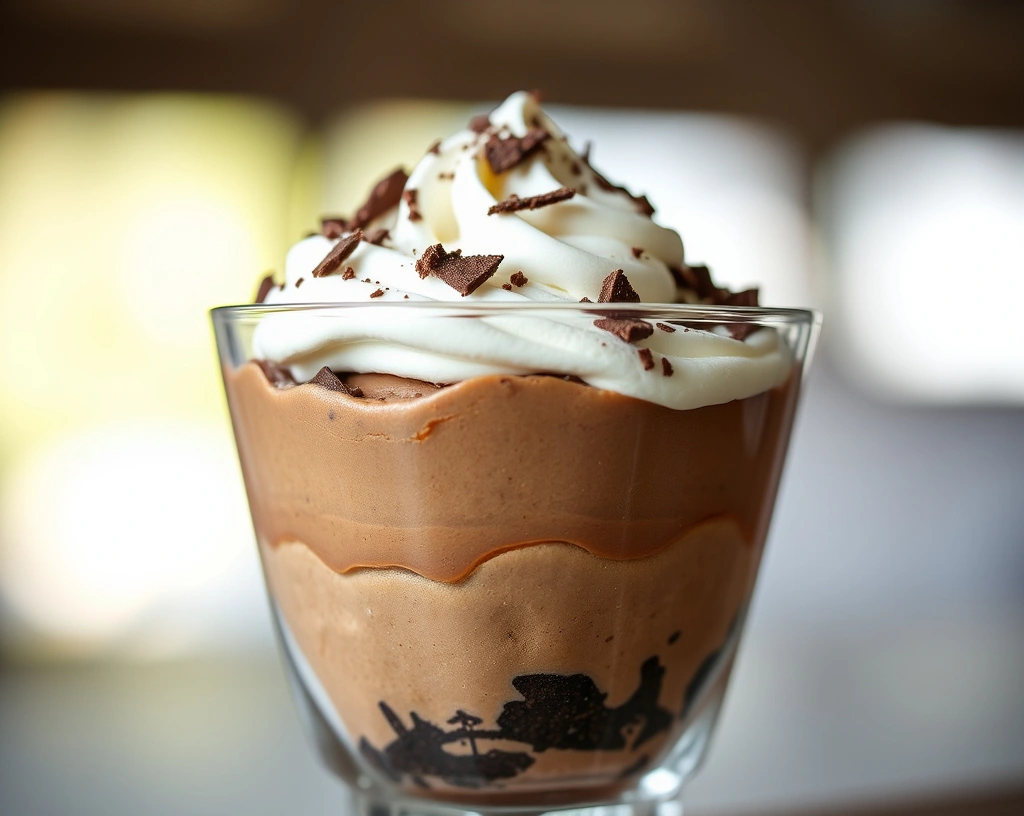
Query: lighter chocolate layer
x=435, y=648
x=441, y=483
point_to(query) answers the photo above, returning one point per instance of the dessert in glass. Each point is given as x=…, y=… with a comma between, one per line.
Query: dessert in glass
x=511, y=463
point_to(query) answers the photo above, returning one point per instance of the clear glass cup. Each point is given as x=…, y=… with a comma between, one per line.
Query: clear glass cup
x=516, y=593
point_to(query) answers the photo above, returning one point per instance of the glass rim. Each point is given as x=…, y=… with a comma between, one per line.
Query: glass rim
x=655, y=311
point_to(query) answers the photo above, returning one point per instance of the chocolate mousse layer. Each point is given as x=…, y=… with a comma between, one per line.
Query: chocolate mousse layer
x=548, y=671
x=439, y=483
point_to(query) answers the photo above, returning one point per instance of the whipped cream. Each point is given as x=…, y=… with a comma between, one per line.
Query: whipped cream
x=564, y=250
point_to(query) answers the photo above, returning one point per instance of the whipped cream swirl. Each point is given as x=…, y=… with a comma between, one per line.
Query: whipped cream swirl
x=564, y=250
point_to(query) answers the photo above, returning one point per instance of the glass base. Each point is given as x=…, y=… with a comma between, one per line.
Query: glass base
x=366, y=806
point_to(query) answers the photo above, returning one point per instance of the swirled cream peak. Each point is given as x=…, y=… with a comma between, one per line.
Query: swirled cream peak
x=505, y=212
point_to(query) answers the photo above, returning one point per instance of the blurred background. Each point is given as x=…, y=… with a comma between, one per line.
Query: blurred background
x=863, y=157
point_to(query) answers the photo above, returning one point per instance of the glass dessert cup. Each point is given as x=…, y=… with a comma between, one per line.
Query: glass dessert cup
x=514, y=593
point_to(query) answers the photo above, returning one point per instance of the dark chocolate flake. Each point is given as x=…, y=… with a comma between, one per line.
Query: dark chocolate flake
x=409, y=197
x=349, y=273
x=643, y=205
x=626, y=328
x=518, y=279
x=276, y=375
x=514, y=203
x=741, y=331
x=748, y=297
x=298, y=283
x=638, y=251
x=665, y=327
x=435, y=148
x=641, y=202
x=479, y=123
x=332, y=227
x=646, y=357
x=264, y=289
x=339, y=252
x=617, y=289
x=463, y=273
x=385, y=195
x=585, y=300
x=504, y=154
x=507, y=287
x=698, y=278
x=377, y=293
x=326, y=378
x=666, y=367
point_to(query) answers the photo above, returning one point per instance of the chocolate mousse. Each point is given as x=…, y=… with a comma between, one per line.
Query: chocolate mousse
x=511, y=537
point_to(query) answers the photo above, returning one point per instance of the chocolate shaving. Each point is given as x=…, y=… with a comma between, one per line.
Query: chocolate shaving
x=741, y=331
x=518, y=279
x=677, y=276
x=585, y=300
x=326, y=378
x=409, y=197
x=377, y=294
x=332, y=227
x=463, y=274
x=376, y=236
x=504, y=154
x=748, y=297
x=339, y=252
x=446, y=176
x=641, y=202
x=480, y=123
x=638, y=251
x=666, y=367
x=349, y=273
x=385, y=195
x=507, y=287
x=435, y=148
x=665, y=327
x=514, y=203
x=626, y=328
x=264, y=289
x=698, y=279
x=276, y=375
x=646, y=357
x=298, y=283
x=616, y=289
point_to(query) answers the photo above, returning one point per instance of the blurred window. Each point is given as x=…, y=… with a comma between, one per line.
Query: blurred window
x=925, y=230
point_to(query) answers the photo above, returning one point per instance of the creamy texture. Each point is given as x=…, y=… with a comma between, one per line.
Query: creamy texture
x=565, y=250
x=441, y=483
